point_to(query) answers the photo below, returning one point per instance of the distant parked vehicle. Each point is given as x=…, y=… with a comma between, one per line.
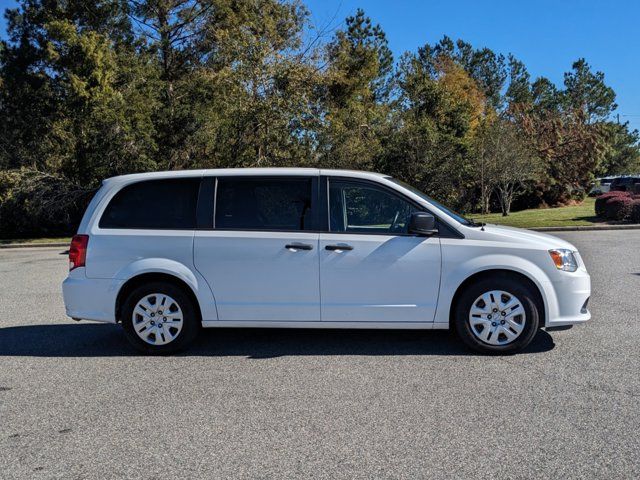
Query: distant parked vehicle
x=167, y=253
x=600, y=186
x=625, y=184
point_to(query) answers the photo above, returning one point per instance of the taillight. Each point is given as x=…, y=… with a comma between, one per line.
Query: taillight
x=78, y=251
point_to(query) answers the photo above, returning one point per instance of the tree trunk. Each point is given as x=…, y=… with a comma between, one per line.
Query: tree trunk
x=485, y=196
x=506, y=198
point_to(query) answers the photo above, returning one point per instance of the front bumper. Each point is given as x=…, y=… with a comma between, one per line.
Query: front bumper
x=572, y=292
x=90, y=298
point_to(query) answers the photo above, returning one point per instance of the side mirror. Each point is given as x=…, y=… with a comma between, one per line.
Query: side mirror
x=422, y=223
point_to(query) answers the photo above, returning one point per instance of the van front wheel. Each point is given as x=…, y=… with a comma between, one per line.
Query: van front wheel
x=497, y=315
x=159, y=318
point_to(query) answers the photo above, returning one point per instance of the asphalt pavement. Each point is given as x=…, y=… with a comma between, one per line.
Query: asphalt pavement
x=77, y=402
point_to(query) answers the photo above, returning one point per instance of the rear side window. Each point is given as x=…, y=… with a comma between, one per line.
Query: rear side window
x=263, y=204
x=154, y=204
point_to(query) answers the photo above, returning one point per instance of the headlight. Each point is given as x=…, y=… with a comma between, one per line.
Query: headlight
x=564, y=260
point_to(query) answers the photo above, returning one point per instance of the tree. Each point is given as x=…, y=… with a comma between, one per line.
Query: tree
x=519, y=89
x=546, y=97
x=76, y=101
x=234, y=90
x=29, y=96
x=438, y=110
x=569, y=131
x=483, y=66
x=570, y=148
x=622, y=154
x=586, y=91
x=357, y=82
x=505, y=163
x=106, y=129
x=170, y=30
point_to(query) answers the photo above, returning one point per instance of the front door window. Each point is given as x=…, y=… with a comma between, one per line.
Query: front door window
x=361, y=208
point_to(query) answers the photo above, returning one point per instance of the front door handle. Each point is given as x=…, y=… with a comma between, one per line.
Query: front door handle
x=343, y=246
x=298, y=246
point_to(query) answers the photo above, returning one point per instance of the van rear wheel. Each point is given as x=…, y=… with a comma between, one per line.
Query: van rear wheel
x=497, y=315
x=159, y=318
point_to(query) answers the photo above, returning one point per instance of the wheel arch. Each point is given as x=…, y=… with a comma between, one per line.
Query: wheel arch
x=148, y=277
x=504, y=273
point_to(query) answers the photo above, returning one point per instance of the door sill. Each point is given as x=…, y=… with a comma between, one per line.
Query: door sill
x=349, y=325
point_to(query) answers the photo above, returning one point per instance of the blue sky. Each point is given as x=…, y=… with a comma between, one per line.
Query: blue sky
x=546, y=35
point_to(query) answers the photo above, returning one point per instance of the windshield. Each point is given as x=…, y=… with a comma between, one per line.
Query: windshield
x=459, y=218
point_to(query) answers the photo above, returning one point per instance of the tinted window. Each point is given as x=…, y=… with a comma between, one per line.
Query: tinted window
x=263, y=204
x=154, y=204
x=362, y=208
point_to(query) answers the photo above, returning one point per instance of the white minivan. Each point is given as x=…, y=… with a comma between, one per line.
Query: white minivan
x=167, y=253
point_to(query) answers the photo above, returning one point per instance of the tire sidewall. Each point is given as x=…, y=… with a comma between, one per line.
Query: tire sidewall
x=512, y=286
x=190, y=325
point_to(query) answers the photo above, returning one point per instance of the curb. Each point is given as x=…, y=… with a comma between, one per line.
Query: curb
x=35, y=245
x=586, y=228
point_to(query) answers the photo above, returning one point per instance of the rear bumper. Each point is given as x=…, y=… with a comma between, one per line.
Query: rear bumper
x=90, y=298
x=572, y=292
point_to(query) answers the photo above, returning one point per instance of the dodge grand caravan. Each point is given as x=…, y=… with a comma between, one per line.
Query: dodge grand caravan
x=167, y=253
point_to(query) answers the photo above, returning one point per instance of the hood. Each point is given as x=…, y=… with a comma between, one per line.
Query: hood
x=501, y=233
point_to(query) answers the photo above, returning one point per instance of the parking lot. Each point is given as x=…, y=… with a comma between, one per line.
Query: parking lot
x=77, y=402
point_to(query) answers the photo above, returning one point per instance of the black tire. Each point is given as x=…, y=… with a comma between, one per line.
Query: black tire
x=505, y=283
x=190, y=320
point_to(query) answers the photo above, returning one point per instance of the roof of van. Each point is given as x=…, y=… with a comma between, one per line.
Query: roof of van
x=224, y=172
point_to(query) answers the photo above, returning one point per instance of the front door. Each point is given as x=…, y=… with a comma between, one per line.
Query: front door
x=371, y=269
x=261, y=257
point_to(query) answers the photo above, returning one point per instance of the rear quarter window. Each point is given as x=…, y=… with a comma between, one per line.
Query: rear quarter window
x=154, y=204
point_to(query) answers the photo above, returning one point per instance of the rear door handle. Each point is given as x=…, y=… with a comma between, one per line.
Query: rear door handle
x=343, y=246
x=298, y=246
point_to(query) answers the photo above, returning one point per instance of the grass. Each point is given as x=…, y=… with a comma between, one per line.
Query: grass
x=44, y=241
x=572, y=216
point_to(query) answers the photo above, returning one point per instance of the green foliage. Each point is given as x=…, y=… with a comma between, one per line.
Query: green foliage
x=622, y=154
x=91, y=89
x=485, y=67
x=354, y=87
x=437, y=110
x=586, y=91
x=520, y=89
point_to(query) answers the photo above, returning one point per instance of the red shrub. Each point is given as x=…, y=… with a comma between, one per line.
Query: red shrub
x=602, y=200
x=618, y=208
x=614, y=193
x=635, y=210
